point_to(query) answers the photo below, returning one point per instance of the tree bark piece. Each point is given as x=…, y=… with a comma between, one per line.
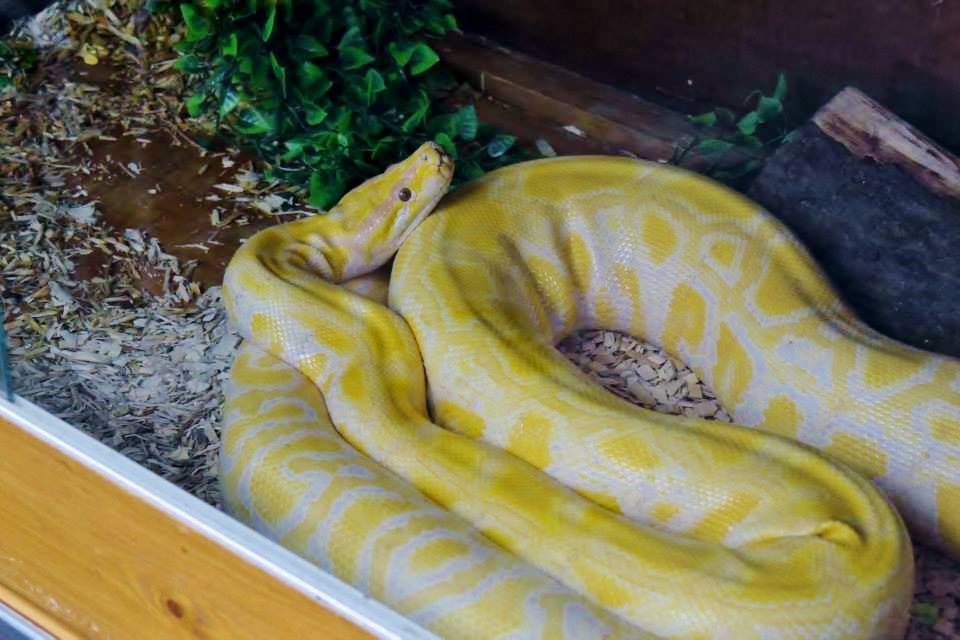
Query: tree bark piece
x=878, y=205
x=870, y=131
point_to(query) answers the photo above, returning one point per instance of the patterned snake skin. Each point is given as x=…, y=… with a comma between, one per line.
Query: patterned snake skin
x=512, y=497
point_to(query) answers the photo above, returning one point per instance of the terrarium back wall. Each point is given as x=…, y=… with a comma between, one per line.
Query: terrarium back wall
x=904, y=54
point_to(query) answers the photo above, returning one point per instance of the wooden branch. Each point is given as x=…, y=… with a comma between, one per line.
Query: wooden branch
x=868, y=130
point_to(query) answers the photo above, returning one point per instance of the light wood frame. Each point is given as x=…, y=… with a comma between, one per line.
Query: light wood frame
x=94, y=545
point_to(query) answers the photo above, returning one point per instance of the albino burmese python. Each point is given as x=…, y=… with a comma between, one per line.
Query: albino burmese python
x=514, y=498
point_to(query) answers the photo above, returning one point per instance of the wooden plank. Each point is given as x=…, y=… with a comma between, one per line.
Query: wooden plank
x=84, y=554
x=573, y=113
x=877, y=204
x=530, y=129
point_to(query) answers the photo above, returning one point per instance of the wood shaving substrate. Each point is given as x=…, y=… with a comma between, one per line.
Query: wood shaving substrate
x=141, y=373
x=106, y=330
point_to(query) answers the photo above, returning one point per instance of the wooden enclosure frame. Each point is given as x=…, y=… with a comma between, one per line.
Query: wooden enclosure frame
x=94, y=545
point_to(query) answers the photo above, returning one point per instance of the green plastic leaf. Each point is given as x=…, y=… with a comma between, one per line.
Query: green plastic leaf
x=189, y=64
x=374, y=84
x=401, y=53
x=467, y=122
x=271, y=20
x=423, y=58
x=194, y=104
x=254, y=122
x=418, y=115
x=382, y=146
x=322, y=87
x=769, y=109
x=707, y=119
x=725, y=116
x=354, y=58
x=245, y=64
x=369, y=126
x=352, y=48
x=229, y=102
x=315, y=115
x=714, y=146
x=751, y=142
x=311, y=73
x=309, y=47
x=744, y=169
x=469, y=169
x=927, y=613
x=352, y=37
x=748, y=123
x=295, y=148
x=447, y=123
x=279, y=72
x=438, y=80
x=325, y=189
x=446, y=142
x=500, y=144
x=230, y=45
x=790, y=137
x=780, y=92
x=343, y=121
x=198, y=26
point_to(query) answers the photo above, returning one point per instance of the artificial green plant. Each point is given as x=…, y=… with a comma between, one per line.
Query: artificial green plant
x=330, y=92
x=754, y=134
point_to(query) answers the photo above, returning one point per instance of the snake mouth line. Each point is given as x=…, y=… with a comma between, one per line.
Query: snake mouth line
x=444, y=160
x=445, y=166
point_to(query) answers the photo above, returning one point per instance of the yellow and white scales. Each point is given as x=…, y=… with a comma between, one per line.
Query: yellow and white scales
x=423, y=440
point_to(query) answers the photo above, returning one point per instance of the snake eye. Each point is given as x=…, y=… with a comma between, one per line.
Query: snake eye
x=405, y=194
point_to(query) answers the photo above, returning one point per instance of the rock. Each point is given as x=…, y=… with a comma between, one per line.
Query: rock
x=888, y=241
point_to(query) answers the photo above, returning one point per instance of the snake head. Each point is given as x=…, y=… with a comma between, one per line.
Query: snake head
x=424, y=176
x=389, y=206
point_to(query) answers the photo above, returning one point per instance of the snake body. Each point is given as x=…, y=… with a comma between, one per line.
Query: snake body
x=502, y=494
